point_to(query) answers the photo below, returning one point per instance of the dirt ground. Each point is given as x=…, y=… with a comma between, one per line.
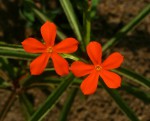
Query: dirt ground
x=135, y=48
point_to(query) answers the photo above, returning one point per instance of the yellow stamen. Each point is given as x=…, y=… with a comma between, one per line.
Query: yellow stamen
x=49, y=49
x=98, y=67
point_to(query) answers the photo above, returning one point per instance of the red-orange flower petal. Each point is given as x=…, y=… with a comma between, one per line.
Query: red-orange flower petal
x=60, y=64
x=112, y=80
x=79, y=68
x=89, y=84
x=113, y=61
x=68, y=45
x=33, y=46
x=38, y=65
x=94, y=51
x=48, y=31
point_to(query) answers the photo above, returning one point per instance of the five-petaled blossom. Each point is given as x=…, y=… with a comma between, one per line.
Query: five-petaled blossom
x=49, y=50
x=89, y=84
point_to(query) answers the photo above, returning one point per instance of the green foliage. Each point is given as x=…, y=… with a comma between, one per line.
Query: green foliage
x=17, y=80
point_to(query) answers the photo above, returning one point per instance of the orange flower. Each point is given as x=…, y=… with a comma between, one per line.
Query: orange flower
x=89, y=84
x=48, y=50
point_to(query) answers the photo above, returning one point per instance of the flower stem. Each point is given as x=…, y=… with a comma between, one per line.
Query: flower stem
x=87, y=23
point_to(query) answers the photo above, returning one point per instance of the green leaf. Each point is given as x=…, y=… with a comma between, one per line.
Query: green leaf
x=35, y=81
x=51, y=100
x=48, y=81
x=32, y=82
x=7, y=106
x=3, y=44
x=67, y=105
x=120, y=102
x=138, y=93
x=4, y=84
x=26, y=11
x=87, y=23
x=8, y=70
x=30, y=4
x=72, y=18
x=133, y=76
x=94, y=8
x=26, y=105
x=70, y=56
x=134, y=22
x=16, y=52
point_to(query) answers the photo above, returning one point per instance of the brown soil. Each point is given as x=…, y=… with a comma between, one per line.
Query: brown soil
x=135, y=48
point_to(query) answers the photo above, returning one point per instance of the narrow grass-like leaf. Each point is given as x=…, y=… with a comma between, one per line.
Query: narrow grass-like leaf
x=18, y=53
x=4, y=84
x=26, y=11
x=15, y=52
x=42, y=16
x=72, y=18
x=93, y=12
x=32, y=82
x=7, y=105
x=26, y=105
x=10, y=52
x=35, y=81
x=133, y=76
x=46, y=82
x=87, y=22
x=120, y=102
x=67, y=105
x=2, y=44
x=7, y=70
x=134, y=22
x=51, y=100
x=138, y=93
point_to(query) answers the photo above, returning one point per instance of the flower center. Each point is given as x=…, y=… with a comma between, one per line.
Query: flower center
x=98, y=67
x=49, y=49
